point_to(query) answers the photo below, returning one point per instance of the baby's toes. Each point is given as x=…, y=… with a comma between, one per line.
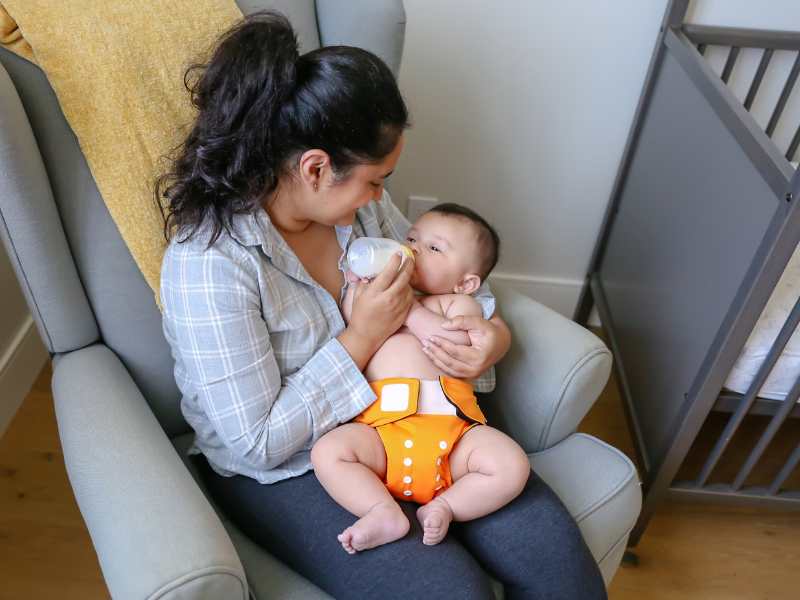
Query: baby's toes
x=346, y=539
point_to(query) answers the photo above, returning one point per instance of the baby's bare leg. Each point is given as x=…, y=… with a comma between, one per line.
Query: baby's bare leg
x=350, y=462
x=489, y=470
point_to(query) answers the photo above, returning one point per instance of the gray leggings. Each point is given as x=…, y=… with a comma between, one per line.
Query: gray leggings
x=531, y=545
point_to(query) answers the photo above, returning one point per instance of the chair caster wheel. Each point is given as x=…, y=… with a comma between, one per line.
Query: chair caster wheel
x=630, y=558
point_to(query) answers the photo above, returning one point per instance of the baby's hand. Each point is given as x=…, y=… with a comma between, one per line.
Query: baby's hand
x=347, y=302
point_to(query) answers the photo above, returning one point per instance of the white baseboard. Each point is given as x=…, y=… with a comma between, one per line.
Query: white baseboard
x=561, y=295
x=20, y=364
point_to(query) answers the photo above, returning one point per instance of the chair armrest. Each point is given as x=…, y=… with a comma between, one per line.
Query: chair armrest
x=551, y=376
x=155, y=534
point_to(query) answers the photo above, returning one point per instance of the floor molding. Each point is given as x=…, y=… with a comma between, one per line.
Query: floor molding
x=20, y=364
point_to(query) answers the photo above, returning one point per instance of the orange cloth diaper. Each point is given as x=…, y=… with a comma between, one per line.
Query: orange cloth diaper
x=419, y=422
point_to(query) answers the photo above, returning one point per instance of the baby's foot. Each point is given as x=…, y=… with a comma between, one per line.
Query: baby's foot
x=384, y=523
x=435, y=519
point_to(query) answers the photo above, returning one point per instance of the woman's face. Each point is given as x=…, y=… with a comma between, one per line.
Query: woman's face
x=338, y=202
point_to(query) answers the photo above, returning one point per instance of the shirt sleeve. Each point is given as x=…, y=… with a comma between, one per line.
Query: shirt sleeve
x=213, y=307
x=393, y=224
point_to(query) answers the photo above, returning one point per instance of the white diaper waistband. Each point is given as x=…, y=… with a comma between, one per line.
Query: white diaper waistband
x=432, y=400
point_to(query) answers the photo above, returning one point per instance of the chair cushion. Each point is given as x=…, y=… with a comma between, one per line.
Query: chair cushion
x=599, y=486
x=266, y=575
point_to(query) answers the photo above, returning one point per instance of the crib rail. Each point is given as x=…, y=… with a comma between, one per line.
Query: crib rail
x=780, y=411
x=768, y=41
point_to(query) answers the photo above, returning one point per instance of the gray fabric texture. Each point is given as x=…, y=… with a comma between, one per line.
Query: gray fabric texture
x=600, y=488
x=378, y=26
x=30, y=226
x=154, y=531
x=551, y=376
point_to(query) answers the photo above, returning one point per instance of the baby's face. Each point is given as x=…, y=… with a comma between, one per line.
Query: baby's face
x=447, y=254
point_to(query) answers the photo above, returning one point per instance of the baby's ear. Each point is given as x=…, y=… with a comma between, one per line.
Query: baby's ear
x=468, y=284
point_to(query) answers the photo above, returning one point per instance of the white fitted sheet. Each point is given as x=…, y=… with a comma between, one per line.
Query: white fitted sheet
x=774, y=316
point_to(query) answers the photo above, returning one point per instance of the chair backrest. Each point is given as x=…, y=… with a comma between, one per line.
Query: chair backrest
x=78, y=277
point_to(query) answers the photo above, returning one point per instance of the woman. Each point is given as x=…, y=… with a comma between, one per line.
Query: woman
x=283, y=167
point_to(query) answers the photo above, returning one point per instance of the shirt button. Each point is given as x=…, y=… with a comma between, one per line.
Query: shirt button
x=443, y=445
x=407, y=479
x=407, y=461
x=408, y=443
x=407, y=493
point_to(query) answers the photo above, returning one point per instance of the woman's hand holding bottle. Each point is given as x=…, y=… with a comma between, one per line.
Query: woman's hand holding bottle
x=379, y=309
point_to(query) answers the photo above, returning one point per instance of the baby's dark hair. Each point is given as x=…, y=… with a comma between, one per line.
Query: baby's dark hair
x=488, y=240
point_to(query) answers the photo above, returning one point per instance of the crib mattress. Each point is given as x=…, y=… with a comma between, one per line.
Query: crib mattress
x=775, y=314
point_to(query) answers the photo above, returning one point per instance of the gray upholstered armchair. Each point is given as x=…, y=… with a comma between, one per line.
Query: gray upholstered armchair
x=117, y=405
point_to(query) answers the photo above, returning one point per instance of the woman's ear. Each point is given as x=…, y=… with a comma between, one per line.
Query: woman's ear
x=312, y=165
x=468, y=284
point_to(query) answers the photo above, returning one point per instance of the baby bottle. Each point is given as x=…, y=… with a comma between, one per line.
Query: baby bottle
x=368, y=256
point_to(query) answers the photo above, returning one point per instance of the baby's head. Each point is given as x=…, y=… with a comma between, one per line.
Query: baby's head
x=455, y=249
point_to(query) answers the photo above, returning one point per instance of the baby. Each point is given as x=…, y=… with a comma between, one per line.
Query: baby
x=424, y=439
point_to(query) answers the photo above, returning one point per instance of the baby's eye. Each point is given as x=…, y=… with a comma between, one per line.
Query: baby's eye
x=435, y=249
x=410, y=239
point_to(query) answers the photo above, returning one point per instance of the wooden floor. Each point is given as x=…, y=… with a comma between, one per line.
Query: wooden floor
x=690, y=551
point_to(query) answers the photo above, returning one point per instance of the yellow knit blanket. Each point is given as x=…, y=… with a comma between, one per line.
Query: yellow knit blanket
x=117, y=68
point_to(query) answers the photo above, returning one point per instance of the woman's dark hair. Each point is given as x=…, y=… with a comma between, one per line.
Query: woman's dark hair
x=260, y=106
x=488, y=240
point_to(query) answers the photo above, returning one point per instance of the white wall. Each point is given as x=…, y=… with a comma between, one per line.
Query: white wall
x=521, y=110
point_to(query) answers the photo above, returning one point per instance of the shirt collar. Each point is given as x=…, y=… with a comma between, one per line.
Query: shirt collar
x=256, y=229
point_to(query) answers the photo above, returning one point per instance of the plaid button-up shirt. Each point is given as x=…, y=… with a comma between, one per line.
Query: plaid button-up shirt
x=254, y=341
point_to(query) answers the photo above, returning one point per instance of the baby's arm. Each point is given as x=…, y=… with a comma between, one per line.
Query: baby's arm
x=426, y=317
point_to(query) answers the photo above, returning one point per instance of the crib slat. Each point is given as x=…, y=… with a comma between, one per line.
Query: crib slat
x=764, y=370
x=726, y=70
x=766, y=56
x=793, y=145
x=787, y=469
x=769, y=433
x=787, y=90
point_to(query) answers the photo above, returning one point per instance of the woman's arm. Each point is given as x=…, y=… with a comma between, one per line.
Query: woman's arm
x=212, y=312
